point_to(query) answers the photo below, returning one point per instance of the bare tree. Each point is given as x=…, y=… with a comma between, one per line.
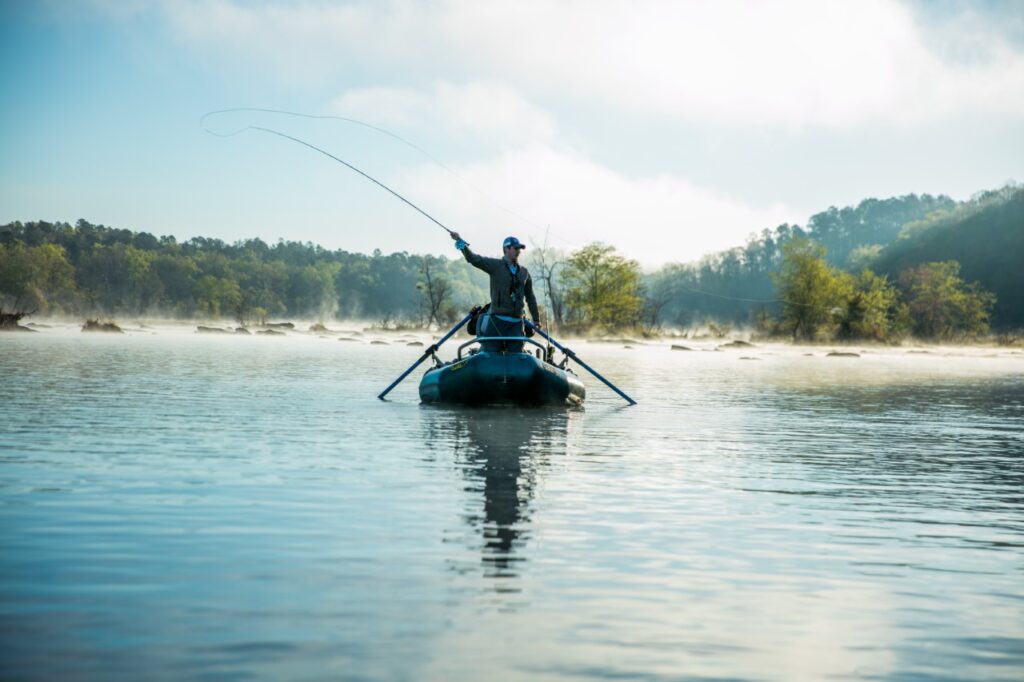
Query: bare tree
x=436, y=291
x=546, y=262
x=657, y=294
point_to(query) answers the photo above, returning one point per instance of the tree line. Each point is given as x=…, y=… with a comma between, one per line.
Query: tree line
x=92, y=269
x=922, y=265
x=86, y=269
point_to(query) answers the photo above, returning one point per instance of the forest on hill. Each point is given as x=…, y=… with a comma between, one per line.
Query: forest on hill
x=917, y=264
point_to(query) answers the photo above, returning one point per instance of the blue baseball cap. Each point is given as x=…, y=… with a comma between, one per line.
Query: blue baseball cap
x=512, y=241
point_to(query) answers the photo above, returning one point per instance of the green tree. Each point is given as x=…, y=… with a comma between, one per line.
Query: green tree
x=602, y=288
x=178, y=274
x=942, y=305
x=311, y=289
x=35, y=278
x=872, y=309
x=811, y=291
x=217, y=296
x=262, y=287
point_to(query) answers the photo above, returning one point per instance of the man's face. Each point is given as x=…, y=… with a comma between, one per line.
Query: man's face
x=512, y=253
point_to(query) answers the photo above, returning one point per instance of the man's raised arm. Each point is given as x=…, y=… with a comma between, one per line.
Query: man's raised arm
x=476, y=260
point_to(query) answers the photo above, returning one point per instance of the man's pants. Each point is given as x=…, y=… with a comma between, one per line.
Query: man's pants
x=492, y=325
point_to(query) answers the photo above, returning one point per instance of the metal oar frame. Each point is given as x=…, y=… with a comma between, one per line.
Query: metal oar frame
x=431, y=352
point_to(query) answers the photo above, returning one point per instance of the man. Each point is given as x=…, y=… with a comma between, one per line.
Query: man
x=511, y=288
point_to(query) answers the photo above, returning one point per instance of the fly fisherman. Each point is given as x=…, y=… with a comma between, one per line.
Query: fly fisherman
x=511, y=287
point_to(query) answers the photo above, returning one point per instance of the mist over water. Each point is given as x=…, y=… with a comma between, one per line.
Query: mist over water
x=183, y=506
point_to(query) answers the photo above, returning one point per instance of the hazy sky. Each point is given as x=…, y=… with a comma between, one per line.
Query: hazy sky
x=669, y=129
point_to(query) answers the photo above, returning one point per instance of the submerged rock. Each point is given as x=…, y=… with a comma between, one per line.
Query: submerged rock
x=737, y=344
x=9, y=323
x=676, y=346
x=627, y=341
x=842, y=354
x=415, y=343
x=379, y=343
x=345, y=338
x=243, y=330
x=97, y=326
x=318, y=328
x=271, y=332
x=279, y=325
x=211, y=330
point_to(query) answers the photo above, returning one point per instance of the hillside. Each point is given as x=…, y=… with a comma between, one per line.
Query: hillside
x=985, y=235
x=732, y=285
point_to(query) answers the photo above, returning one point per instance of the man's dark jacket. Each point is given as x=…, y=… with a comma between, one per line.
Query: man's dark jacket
x=508, y=291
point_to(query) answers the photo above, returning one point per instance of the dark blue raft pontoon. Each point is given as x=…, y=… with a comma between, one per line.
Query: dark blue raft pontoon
x=489, y=377
x=501, y=372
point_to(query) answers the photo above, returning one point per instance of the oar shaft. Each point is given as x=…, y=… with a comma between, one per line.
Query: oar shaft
x=426, y=354
x=582, y=364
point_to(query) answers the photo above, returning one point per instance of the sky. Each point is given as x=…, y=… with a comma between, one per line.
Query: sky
x=667, y=129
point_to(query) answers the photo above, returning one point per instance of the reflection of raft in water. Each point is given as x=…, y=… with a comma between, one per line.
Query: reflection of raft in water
x=488, y=377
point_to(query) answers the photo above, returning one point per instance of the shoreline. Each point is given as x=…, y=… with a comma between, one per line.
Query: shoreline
x=357, y=327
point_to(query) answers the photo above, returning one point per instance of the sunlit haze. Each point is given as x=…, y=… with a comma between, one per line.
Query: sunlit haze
x=667, y=129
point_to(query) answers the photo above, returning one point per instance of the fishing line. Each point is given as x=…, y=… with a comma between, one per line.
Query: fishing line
x=476, y=188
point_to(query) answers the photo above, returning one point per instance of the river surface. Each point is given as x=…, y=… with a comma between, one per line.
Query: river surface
x=179, y=506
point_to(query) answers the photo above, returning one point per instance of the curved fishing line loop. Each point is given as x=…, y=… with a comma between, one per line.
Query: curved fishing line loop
x=349, y=165
x=326, y=117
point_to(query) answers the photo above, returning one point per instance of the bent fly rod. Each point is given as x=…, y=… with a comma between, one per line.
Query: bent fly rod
x=334, y=158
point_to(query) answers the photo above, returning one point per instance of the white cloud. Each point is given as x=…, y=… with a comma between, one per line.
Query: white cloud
x=490, y=110
x=653, y=219
x=790, y=63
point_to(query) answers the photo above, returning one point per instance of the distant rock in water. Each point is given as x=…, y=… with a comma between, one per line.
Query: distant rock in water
x=628, y=347
x=271, y=332
x=97, y=326
x=243, y=330
x=737, y=344
x=379, y=343
x=345, y=338
x=318, y=328
x=279, y=325
x=415, y=343
x=842, y=354
x=211, y=330
x=676, y=346
x=9, y=323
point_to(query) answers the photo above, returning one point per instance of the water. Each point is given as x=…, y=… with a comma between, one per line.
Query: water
x=177, y=506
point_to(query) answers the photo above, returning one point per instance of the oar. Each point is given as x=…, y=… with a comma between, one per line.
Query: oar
x=580, y=362
x=426, y=354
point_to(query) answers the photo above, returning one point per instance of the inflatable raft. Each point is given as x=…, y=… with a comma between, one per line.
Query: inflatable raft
x=487, y=377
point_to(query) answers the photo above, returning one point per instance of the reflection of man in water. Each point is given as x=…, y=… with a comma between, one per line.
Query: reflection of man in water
x=511, y=288
x=497, y=462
